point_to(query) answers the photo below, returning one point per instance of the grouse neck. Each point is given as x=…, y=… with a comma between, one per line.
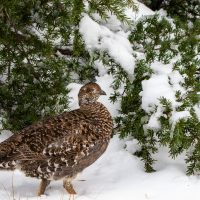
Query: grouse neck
x=86, y=102
x=90, y=104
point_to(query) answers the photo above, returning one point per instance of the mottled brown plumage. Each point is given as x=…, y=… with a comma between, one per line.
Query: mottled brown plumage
x=61, y=146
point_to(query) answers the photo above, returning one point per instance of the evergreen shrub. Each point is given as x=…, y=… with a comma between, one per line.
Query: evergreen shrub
x=41, y=52
x=165, y=41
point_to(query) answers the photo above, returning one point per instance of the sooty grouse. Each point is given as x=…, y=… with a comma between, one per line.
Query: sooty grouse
x=61, y=146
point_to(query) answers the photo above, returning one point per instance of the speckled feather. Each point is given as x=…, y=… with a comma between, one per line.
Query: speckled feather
x=64, y=145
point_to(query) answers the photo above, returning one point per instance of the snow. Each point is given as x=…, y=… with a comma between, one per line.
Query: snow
x=100, y=67
x=159, y=86
x=73, y=95
x=163, y=83
x=141, y=12
x=115, y=175
x=153, y=89
x=180, y=115
x=116, y=44
x=4, y=135
x=105, y=82
x=154, y=123
x=197, y=111
x=118, y=174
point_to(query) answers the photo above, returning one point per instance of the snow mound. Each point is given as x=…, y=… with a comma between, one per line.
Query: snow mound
x=163, y=83
x=115, y=175
x=98, y=37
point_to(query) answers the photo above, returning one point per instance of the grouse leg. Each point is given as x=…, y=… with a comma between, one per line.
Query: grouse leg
x=69, y=187
x=43, y=184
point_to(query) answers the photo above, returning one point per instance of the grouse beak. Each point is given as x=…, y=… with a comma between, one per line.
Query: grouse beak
x=102, y=92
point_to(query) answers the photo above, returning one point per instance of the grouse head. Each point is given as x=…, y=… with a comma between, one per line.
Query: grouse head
x=89, y=93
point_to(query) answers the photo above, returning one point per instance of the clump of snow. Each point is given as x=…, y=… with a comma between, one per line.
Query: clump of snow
x=106, y=82
x=163, y=83
x=160, y=68
x=73, y=95
x=158, y=86
x=154, y=123
x=112, y=23
x=154, y=89
x=197, y=110
x=142, y=10
x=176, y=116
x=5, y=134
x=115, y=44
x=177, y=80
x=100, y=67
x=131, y=145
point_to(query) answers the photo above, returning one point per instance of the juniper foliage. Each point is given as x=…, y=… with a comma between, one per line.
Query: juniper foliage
x=182, y=9
x=162, y=40
x=41, y=52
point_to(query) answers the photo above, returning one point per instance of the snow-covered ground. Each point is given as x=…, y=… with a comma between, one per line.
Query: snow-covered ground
x=117, y=174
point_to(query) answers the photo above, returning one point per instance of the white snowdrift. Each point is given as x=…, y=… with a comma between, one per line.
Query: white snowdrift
x=116, y=175
x=101, y=38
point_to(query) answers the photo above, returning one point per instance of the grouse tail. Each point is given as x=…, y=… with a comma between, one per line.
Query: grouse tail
x=6, y=147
